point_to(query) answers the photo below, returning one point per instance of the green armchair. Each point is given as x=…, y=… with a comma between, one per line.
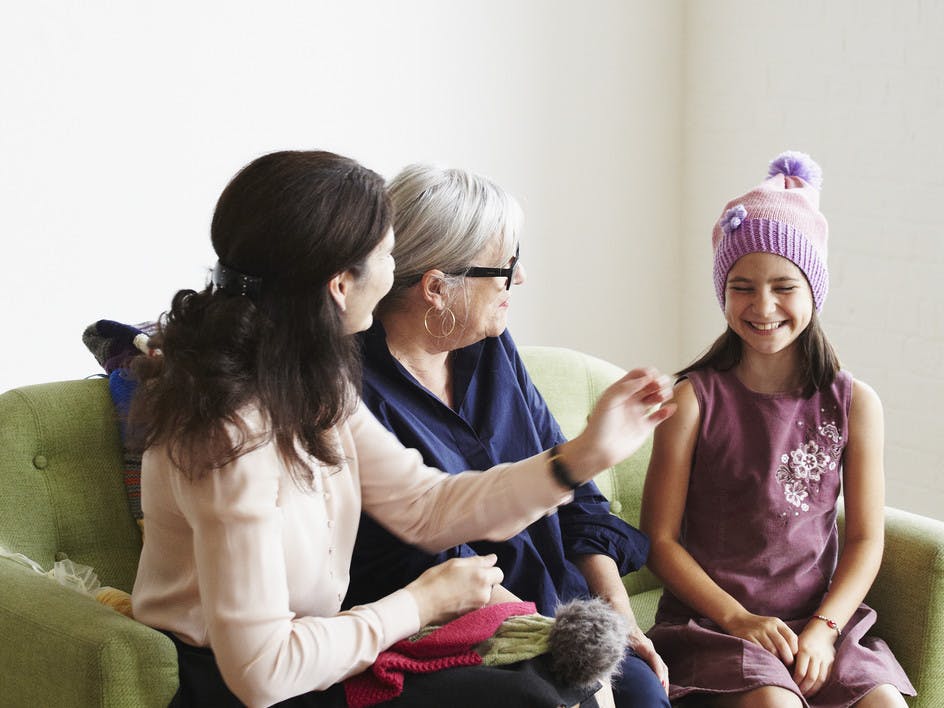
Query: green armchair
x=61, y=492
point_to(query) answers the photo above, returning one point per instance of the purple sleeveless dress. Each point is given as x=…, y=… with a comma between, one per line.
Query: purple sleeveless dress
x=760, y=518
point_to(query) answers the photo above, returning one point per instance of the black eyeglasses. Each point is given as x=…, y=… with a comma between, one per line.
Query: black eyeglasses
x=507, y=273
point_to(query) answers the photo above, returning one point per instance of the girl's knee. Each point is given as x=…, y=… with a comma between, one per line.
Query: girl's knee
x=884, y=696
x=765, y=697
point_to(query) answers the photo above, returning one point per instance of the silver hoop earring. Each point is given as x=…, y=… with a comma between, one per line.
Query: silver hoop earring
x=442, y=319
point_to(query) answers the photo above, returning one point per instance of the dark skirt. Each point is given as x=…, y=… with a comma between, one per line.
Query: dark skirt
x=526, y=684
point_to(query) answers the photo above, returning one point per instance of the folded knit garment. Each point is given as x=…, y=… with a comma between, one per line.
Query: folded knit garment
x=451, y=645
x=586, y=641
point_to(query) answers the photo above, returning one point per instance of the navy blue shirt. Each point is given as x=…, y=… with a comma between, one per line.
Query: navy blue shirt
x=499, y=417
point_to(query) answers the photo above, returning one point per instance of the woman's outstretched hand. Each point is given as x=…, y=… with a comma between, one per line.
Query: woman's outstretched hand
x=620, y=422
x=455, y=587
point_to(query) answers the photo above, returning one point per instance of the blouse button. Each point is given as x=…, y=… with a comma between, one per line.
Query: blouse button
x=330, y=523
x=616, y=506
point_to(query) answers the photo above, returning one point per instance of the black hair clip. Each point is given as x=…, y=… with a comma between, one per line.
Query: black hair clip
x=236, y=283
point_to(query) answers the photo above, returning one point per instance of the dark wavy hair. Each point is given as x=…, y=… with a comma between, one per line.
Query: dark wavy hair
x=817, y=356
x=294, y=219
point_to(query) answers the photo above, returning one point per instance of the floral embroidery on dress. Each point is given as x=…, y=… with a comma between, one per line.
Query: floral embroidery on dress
x=802, y=469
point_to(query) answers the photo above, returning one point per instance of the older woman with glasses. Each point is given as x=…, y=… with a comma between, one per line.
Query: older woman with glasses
x=442, y=372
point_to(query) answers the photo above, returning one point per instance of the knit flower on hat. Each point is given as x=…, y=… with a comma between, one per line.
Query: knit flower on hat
x=733, y=218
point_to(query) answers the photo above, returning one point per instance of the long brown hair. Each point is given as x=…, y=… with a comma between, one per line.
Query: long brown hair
x=818, y=359
x=293, y=219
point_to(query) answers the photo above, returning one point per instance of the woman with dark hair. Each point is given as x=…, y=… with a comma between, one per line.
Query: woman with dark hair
x=259, y=457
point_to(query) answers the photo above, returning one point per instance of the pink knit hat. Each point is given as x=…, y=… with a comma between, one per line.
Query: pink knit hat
x=779, y=216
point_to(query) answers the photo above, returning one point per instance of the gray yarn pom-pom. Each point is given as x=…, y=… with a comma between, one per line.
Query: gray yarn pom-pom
x=587, y=642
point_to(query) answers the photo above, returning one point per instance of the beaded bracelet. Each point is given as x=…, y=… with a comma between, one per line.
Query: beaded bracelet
x=560, y=471
x=829, y=623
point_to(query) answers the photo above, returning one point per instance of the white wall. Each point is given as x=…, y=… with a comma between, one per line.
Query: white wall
x=860, y=86
x=123, y=121
x=622, y=126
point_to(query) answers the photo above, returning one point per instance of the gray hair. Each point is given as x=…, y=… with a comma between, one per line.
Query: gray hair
x=443, y=219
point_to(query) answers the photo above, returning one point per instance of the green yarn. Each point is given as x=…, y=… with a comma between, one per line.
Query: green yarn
x=518, y=638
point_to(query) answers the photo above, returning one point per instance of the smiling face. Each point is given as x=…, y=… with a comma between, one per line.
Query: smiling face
x=768, y=302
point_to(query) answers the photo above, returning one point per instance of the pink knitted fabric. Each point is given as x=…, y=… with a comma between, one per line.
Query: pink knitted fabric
x=448, y=646
x=779, y=216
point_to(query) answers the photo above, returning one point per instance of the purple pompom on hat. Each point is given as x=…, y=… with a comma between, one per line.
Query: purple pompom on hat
x=780, y=216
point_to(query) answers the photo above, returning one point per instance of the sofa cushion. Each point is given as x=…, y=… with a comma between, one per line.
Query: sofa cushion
x=61, y=472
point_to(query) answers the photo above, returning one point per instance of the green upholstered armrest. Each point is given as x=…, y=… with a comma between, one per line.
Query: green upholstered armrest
x=571, y=382
x=62, y=648
x=61, y=492
x=908, y=595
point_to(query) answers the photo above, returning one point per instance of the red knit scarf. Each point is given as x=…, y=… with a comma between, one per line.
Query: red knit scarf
x=448, y=646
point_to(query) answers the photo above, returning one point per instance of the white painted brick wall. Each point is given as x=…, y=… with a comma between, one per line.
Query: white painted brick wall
x=622, y=125
x=858, y=84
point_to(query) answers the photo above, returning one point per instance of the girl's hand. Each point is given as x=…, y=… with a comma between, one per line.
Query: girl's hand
x=620, y=422
x=814, y=660
x=642, y=645
x=771, y=633
x=455, y=587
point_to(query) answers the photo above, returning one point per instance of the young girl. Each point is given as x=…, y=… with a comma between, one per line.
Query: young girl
x=741, y=496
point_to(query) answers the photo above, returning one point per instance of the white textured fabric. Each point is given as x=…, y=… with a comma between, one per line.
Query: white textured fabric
x=248, y=563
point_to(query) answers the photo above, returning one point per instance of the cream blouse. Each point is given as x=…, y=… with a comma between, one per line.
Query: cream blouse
x=248, y=563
